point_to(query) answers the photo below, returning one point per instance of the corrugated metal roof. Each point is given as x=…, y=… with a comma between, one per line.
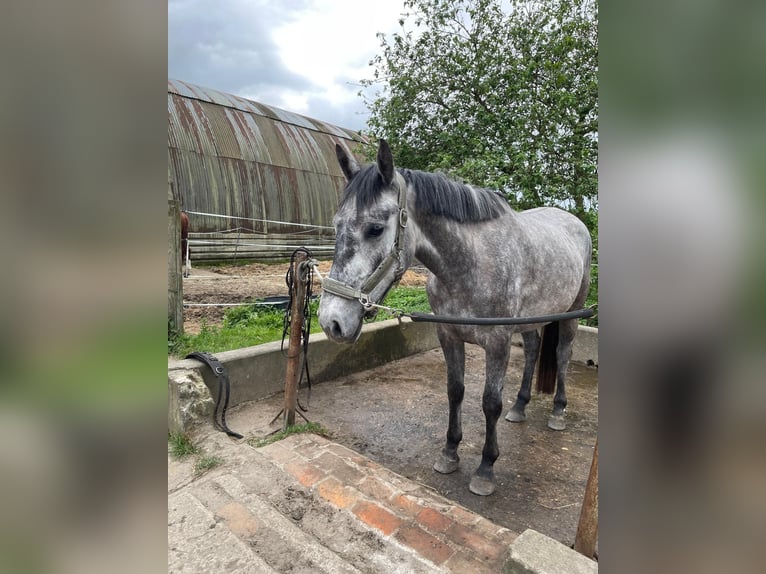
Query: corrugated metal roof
x=188, y=90
x=242, y=159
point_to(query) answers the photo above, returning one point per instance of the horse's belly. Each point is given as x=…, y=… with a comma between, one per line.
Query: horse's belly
x=483, y=336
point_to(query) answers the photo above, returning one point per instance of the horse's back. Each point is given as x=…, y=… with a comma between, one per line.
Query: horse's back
x=553, y=261
x=528, y=263
x=556, y=226
x=556, y=217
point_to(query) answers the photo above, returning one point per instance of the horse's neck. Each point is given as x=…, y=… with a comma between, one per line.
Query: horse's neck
x=447, y=247
x=430, y=255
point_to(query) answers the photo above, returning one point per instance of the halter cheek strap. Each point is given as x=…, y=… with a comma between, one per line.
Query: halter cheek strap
x=362, y=294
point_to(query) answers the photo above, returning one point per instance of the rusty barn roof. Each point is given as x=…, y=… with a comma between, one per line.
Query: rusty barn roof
x=261, y=171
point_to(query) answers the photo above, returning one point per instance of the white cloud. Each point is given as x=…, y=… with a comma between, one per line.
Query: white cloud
x=334, y=38
x=306, y=56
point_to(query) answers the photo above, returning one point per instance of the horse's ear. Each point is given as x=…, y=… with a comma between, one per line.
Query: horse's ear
x=347, y=163
x=385, y=162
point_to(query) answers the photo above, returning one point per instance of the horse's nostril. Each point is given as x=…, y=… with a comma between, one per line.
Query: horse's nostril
x=335, y=330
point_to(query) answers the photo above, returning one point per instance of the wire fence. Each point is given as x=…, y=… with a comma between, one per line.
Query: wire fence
x=235, y=240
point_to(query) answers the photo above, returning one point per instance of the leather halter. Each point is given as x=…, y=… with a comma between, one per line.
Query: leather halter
x=362, y=294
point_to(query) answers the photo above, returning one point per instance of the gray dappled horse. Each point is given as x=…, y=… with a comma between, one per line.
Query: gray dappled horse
x=486, y=260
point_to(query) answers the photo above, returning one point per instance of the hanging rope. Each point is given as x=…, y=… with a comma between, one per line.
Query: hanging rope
x=306, y=275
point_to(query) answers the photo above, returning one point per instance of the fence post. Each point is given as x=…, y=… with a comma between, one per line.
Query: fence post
x=294, y=349
x=175, y=280
x=587, y=528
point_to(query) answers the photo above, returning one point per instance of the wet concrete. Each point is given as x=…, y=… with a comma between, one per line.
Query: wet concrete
x=397, y=415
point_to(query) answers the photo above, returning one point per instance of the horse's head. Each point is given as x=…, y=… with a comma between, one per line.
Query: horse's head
x=371, y=248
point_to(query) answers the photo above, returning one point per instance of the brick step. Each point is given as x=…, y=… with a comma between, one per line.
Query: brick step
x=402, y=513
x=274, y=536
x=286, y=526
x=192, y=527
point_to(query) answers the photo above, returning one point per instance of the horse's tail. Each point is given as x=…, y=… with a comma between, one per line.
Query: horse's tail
x=548, y=365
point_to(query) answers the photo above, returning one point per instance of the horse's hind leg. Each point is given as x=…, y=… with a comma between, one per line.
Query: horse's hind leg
x=567, y=332
x=531, y=350
x=483, y=480
x=454, y=355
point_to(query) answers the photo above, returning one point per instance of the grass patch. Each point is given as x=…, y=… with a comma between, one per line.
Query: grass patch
x=408, y=299
x=295, y=429
x=181, y=446
x=206, y=462
x=257, y=324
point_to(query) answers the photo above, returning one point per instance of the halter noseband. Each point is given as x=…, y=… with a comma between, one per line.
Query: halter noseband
x=362, y=294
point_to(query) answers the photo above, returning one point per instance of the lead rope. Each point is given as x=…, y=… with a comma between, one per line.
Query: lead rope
x=306, y=275
x=416, y=316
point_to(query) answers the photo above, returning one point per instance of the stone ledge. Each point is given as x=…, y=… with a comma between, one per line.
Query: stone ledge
x=189, y=400
x=416, y=517
x=535, y=553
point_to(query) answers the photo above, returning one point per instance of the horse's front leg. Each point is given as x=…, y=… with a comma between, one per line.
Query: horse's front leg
x=454, y=355
x=483, y=480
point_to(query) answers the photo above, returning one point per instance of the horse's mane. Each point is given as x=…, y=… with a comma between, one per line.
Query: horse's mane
x=434, y=194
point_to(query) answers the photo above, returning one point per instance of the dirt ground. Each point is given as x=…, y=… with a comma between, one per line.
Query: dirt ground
x=243, y=283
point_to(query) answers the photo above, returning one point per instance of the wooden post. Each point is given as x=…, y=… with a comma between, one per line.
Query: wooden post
x=587, y=528
x=175, y=280
x=294, y=350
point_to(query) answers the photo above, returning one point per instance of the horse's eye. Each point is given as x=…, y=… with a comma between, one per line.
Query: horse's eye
x=375, y=230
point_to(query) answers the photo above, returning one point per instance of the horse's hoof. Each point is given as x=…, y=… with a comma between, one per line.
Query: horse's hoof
x=557, y=422
x=481, y=486
x=515, y=416
x=446, y=465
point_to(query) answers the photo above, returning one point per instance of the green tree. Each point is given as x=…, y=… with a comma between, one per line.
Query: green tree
x=499, y=94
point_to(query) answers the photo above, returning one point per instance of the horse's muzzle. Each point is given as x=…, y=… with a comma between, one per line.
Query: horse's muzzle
x=340, y=319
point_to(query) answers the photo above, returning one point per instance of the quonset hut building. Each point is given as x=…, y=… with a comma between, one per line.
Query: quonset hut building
x=255, y=180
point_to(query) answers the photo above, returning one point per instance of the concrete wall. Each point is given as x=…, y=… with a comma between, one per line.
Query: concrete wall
x=259, y=371
x=584, y=349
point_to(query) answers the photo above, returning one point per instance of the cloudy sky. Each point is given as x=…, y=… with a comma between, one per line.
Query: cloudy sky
x=306, y=56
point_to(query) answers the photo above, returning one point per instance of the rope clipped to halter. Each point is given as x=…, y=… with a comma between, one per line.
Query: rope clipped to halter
x=307, y=277
x=223, y=390
x=417, y=316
